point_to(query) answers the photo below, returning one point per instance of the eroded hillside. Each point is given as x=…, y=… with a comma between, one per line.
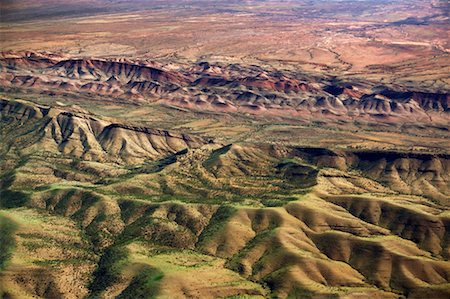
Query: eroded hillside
x=224, y=88
x=224, y=149
x=200, y=219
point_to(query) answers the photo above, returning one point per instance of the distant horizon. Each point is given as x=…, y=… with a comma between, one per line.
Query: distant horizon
x=224, y=149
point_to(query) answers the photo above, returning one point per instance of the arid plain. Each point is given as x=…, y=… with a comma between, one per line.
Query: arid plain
x=224, y=149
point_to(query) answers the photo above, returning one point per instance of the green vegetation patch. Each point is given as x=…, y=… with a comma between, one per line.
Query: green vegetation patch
x=10, y=198
x=218, y=221
x=235, y=262
x=299, y=175
x=215, y=155
x=278, y=202
x=145, y=285
x=7, y=240
x=299, y=292
x=109, y=269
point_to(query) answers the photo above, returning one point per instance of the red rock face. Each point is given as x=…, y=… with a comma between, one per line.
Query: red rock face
x=99, y=69
x=236, y=88
x=281, y=85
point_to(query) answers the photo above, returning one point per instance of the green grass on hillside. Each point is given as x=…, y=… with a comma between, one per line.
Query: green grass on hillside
x=217, y=222
x=109, y=268
x=145, y=285
x=7, y=240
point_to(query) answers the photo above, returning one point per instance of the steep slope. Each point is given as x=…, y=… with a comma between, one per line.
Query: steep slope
x=408, y=173
x=77, y=134
x=114, y=208
x=286, y=248
x=274, y=238
x=94, y=69
x=227, y=88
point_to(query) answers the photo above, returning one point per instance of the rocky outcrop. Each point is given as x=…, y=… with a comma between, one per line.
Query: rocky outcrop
x=410, y=173
x=78, y=134
x=232, y=88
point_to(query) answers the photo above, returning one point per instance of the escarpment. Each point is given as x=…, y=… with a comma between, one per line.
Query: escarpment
x=103, y=69
x=258, y=182
x=286, y=248
x=268, y=213
x=78, y=134
x=410, y=173
x=230, y=88
x=224, y=149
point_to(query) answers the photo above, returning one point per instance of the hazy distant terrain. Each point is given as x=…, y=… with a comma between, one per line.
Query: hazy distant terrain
x=224, y=149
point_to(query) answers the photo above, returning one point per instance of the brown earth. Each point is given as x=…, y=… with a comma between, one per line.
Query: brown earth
x=224, y=149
